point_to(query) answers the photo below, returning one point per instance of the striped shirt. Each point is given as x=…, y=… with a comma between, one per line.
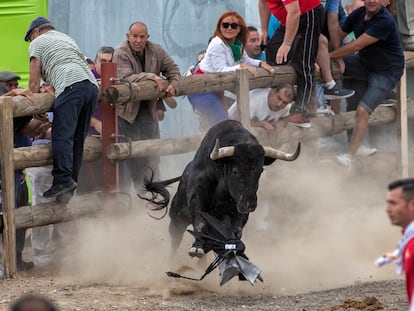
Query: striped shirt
x=63, y=64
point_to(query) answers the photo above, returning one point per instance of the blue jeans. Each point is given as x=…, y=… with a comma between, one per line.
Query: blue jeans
x=210, y=106
x=72, y=111
x=371, y=88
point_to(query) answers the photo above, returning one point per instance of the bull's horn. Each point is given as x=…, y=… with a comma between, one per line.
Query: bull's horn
x=277, y=154
x=223, y=152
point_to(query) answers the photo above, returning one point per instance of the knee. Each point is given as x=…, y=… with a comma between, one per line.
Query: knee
x=322, y=42
x=362, y=113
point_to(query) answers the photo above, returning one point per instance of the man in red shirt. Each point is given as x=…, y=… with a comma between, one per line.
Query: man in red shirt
x=400, y=210
x=296, y=41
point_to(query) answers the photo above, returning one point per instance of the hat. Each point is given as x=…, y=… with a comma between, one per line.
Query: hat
x=8, y=76
x=38, y=21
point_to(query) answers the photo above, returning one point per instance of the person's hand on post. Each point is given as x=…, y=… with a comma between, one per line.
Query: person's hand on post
x=47, y=89
x=170, y=91
x=22, y=92
x=253, y=70
x=160, y=83
x=267, y=67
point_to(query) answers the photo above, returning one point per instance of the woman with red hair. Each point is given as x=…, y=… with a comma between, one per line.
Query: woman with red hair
x=225, y=52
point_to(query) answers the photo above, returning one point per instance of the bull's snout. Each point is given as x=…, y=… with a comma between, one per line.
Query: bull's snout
x=247, y=206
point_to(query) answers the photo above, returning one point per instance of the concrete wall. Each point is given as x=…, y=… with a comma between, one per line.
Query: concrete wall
x=182, y=27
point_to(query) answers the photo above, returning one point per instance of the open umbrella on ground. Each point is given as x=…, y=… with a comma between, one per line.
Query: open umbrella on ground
x=229, y=251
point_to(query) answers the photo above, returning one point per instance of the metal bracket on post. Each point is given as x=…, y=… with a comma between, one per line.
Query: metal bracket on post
x=110, y=171
x=242, y=93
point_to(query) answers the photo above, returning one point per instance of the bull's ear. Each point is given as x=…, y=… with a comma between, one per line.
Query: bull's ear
x=268, y=160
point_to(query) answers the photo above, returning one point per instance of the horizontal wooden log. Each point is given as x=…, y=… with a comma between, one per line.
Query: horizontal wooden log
x=80, y=206
x=41, y=155
x=321, y=127
x=51, y=213
x=24, y=107
x=211, y=82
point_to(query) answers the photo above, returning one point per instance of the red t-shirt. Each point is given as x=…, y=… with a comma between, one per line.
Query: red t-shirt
x=277, y=7
x=408, y=262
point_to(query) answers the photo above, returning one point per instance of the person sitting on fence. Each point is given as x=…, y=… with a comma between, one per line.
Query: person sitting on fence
x=269, y=108
x=225, y=52
x=76, y=96
x=377, y=39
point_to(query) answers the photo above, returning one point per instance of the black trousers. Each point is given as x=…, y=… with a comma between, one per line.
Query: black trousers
x=302, y=55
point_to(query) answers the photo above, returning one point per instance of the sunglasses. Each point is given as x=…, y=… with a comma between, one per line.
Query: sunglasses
x=232, y=25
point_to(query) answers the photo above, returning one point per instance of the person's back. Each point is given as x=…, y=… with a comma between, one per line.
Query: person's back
x=61, y=59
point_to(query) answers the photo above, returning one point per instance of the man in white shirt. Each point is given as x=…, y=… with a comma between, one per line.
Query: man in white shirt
x=269, y=107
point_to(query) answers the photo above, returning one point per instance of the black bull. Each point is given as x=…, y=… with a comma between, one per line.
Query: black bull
x=221, y=181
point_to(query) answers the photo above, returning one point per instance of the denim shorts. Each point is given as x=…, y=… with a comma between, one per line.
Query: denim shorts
x=377, y=84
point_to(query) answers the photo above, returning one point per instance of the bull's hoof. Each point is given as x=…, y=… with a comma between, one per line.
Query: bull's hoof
x=196, y=252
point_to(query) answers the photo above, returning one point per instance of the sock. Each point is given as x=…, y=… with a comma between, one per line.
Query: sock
x=330, y=84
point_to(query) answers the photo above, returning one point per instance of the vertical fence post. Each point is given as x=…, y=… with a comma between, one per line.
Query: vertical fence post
x=242, y=93
x=110, y=173
x=7, y=184
x=402, y=124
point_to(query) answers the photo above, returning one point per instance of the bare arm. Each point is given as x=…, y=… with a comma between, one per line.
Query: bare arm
x=264, y=14
x=356, y=45
x=34, y=78
x=292, y=25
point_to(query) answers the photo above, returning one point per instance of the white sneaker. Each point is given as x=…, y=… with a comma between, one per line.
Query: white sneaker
x=345, y=160
x=388, y=103
x=365, y=151
x=325, y=110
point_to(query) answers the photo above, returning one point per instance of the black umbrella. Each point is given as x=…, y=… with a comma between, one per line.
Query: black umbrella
x=229, y=251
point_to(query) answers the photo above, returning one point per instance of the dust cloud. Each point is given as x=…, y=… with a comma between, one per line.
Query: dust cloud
x=316, y=227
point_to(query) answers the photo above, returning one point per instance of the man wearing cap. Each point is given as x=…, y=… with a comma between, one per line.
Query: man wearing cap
x=9, y=79
x=56, y=58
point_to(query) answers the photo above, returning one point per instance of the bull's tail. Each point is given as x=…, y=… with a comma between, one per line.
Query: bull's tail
x=160, y=196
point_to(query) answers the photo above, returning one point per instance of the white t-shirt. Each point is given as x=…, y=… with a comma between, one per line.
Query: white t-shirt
x=259, y=109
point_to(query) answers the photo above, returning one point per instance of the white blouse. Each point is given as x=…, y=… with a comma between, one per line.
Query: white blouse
x=219, y=58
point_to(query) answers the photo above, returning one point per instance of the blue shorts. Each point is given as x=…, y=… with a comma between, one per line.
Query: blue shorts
x=377, y=85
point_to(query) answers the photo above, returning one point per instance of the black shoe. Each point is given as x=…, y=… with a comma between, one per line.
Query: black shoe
x=24, y=265
x=65, y=197
x=59, y=189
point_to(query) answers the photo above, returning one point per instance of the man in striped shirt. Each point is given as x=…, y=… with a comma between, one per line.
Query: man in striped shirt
x=56, y=58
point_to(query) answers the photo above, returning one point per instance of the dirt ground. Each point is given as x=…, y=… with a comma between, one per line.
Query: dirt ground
x=382, y=295
x=315, y=236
